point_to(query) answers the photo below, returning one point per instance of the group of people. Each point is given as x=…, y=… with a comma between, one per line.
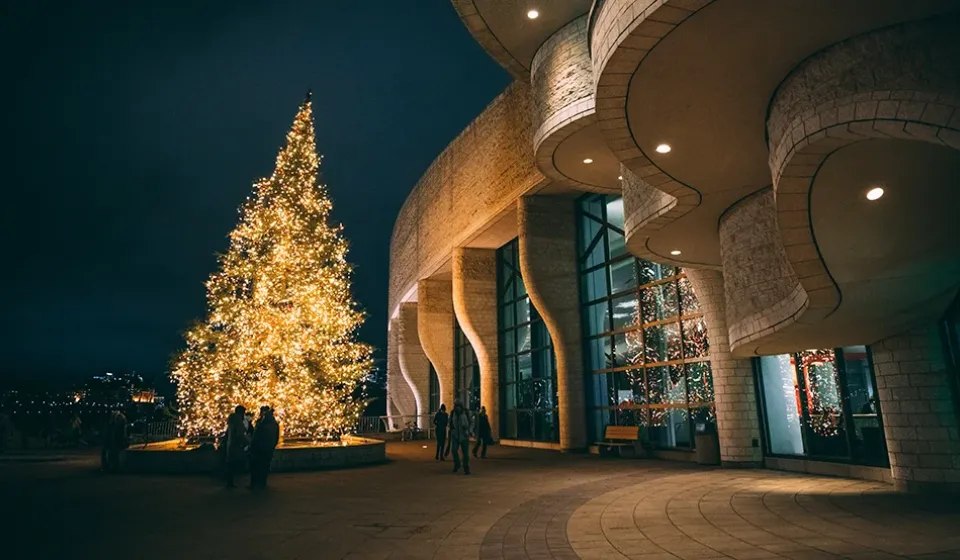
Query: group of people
x=253, y=442
x=454, y=431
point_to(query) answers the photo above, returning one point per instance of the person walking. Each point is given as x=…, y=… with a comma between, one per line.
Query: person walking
x=484, y=434
x=440, y=421
x=266, y=435
x=460, y=428
x=236, y=443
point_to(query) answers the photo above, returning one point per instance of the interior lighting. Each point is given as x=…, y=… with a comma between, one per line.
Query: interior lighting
x=588, y=160
x=663, y=149
x=620, y=178
x=875, y=193
x=675, y=252
x=533, y=14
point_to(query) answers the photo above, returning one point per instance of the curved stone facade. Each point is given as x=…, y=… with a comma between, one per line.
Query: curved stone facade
x=836, y=98
x=562, y=79
x=563, y=91
x=655, y=100
x=476, y=178
x=623, y=32
x=762, y=291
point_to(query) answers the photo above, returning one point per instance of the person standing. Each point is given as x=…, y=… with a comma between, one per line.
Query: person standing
x=484, y=434
x=114, y=440
x=237, y=442
x=266, y=435
x=440, y=421
x=460, y=428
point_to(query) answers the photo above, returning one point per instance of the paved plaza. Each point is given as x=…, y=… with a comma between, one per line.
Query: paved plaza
x=516, y=504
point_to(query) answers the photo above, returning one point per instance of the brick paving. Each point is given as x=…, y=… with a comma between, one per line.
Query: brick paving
x=517, y=504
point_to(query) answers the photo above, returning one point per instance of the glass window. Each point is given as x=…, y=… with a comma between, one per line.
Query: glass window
x=644, y=336
x=781, y=399
x=434, y=390
x=528, y=393
x=822, y=404
x=867, y=437
x=466, y=381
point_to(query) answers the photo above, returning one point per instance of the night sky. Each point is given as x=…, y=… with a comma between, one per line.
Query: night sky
x=134, y=130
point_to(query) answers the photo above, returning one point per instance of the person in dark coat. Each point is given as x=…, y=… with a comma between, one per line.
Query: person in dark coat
x=484, y=433
x=114, y=441
x=440, y=424
x=460, y=431
x=236, y=442
x=265, y=438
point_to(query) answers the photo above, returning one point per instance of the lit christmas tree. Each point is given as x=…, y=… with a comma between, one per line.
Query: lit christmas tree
x=282, y=323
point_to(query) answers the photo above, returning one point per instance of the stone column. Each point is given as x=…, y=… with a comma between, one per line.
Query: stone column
x=919, y=412
x=475, y=304
x=734, y=394
x=400, y=401
x=413, y=361
x=548, y=264
x=435, y=325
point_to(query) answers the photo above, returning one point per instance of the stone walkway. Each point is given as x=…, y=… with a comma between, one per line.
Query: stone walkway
x=517, y=504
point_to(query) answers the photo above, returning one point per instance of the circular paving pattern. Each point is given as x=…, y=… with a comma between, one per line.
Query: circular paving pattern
x=517, y=504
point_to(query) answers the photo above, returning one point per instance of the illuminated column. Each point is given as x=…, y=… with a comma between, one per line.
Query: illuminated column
x=920, y=420
x=435, y=325
x=400, y=400
x=413, y=361
x=734, y=395
x=475, y=304
x=548, y=264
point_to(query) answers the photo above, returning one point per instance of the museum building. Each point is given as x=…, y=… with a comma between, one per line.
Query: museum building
x=699, y=216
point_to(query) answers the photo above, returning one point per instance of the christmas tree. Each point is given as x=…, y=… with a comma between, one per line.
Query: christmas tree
x=281, y=329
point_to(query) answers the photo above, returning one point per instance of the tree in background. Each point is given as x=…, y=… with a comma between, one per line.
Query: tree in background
x=282, y=323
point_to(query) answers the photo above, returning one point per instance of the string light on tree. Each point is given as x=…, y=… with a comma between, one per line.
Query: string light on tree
x=281, y=328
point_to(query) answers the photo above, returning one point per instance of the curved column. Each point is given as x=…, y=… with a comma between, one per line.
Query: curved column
x=920, y=417
x=734, y=394
x=435, y=325
x=413, y=361
x=761, y=289
x=897, y=83
x=400, y=401
x=548, y=264
x=475, y=305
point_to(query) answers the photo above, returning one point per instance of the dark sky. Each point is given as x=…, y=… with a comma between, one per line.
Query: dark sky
x=135, y=129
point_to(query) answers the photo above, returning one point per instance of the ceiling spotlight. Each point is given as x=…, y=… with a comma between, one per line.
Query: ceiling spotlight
x=663, y=149
x=675, y=252
x=874, y=193
x=533, y=14
x=620, y=178
x=588, y=160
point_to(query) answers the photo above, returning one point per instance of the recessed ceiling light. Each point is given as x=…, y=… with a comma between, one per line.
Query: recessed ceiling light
x=874, y=193
x=533, y=14
x=675, y=252
x=663, y=149
x=620, y=178
x=588, y=160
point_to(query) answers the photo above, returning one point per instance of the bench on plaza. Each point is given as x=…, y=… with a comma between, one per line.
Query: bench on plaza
x=624, y=440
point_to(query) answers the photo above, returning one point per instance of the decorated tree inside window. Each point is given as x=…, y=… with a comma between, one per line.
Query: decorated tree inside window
x=282, y=324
